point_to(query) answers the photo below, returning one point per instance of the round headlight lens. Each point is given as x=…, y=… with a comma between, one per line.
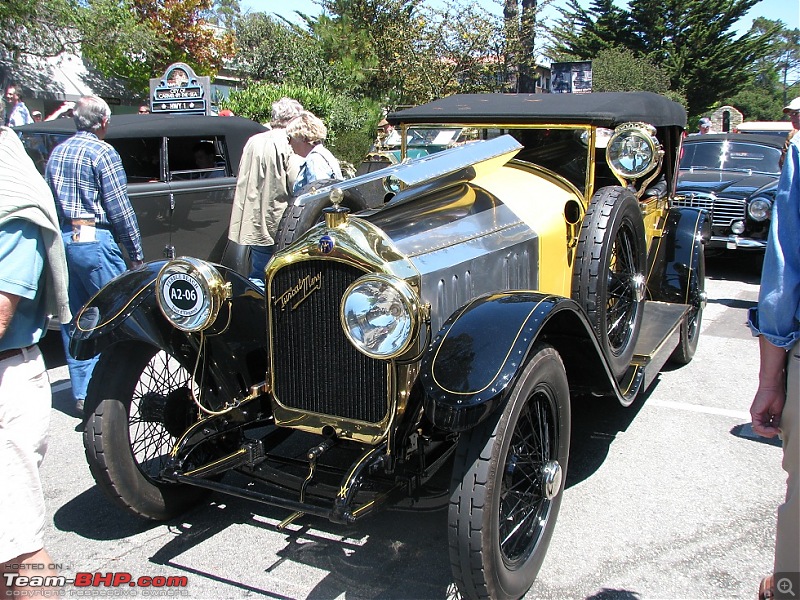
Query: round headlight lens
x=759, y=209
x=379, y=315
x=633, y=150
x=189, y=293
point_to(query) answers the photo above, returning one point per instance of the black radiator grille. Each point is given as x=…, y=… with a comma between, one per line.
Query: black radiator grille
x=316, y=368
x=723, y=210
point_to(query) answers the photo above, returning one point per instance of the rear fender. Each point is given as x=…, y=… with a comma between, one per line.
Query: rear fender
x=126, y=310
x=673, y=260
x=468, y=371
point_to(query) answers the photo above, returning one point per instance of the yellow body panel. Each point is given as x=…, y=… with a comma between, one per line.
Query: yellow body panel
x=539, y=203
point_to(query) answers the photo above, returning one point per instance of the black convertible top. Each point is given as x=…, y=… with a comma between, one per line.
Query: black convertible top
x=237, y=130
x=123, y=126
x=602, y=109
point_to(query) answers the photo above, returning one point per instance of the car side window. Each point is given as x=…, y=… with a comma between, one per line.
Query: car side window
x=196, y=158
x=40, y=145
x=141, y=158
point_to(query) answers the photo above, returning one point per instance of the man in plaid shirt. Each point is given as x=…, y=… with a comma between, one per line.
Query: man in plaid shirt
x=91, y=192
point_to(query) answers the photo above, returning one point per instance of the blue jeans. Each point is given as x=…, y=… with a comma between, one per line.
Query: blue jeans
x=259, y=257
x=91, y=265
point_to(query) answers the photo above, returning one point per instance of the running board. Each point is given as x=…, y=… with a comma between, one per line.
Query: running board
x=659, y=336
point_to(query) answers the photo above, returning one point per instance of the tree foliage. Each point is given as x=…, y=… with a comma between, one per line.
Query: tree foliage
x=351, y=122
x=620, y=70
x=691, y=41
x=39, y=27
x=126, y=39
x=775, y=76
x=453, y=49
x=278, y=52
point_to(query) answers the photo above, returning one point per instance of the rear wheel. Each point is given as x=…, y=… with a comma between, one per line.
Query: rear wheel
x=608, y=277
x=139, y=402
x=507, y=484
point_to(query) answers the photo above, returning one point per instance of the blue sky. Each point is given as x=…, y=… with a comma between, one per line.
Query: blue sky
x=787, y=11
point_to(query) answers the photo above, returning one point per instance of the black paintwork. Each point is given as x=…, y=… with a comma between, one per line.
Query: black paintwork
x=126, y=311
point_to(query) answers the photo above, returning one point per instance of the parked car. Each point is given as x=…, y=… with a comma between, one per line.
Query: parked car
x=442, y=333
x=420, y=141
x=734, y=177
x=183, y=209
x=777, y=128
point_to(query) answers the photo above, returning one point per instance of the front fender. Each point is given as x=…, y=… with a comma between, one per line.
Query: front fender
x=126, y=310
x=674, y=260
x=469, y=369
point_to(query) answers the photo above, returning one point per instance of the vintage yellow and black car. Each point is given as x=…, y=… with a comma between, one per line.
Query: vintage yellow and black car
x=444, y=330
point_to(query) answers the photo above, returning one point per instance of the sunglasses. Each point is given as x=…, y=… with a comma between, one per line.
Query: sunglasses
x=793, y=113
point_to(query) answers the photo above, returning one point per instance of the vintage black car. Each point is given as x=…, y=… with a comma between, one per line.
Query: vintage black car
x=442, y=333
x=183, y=208
x=735, y=178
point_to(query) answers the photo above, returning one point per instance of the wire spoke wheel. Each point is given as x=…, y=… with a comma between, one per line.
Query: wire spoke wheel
x=139, y=403
x=507, y=484
x=524, y=507
x=154, y=399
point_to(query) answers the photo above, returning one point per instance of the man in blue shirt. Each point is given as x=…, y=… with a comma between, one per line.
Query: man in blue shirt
x=16, y=112
x=776, y=320
x=32, y=285
x=89, y=184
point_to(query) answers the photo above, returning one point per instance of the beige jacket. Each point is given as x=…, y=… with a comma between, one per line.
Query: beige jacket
x=25, y=195
x=266, y=175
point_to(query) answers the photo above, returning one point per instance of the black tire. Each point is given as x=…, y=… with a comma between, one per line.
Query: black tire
x=499, y=483
x=296, y=220
x=690, y=326
x=608, y=278
x=137, y=406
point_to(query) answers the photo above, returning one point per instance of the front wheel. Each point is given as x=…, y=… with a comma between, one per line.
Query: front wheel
x=507, y=484
x=139, y=402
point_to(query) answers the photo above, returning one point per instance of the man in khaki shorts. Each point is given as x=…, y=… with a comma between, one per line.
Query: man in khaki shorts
x=33, y=284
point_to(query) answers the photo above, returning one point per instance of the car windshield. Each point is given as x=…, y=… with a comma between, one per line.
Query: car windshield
x=435, y=136
x=732, y=156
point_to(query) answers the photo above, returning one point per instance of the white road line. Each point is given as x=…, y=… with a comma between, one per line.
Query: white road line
x=698, y=408
x=58, y=387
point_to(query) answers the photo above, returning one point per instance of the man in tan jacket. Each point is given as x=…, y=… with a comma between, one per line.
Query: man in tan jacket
x=267, y=173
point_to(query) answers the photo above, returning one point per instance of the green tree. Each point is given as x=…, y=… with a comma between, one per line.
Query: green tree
x=131, y=50
x=277, y=52
x=39, y=27
x=692, y=41
x=351, y=122
x=359, y=38
x=453, y=48
x=620, y=70
x=774, y=80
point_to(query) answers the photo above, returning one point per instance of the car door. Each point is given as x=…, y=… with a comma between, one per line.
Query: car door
x=200, y=195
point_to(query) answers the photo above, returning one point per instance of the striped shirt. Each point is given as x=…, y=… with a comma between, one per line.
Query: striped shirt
x=88, y=181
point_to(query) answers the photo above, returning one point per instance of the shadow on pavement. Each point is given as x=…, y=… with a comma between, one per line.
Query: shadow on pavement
x=735, y=266
x=595, y=425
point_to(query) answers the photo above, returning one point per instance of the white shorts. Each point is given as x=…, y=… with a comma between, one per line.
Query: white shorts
x=25, y=404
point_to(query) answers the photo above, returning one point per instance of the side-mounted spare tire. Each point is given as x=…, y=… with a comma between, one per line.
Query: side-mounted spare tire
x=608, y=278
x=299, y=218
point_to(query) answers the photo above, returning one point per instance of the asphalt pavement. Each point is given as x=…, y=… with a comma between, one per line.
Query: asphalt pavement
x=670, y=498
